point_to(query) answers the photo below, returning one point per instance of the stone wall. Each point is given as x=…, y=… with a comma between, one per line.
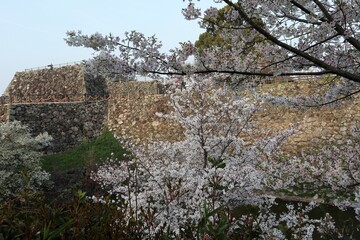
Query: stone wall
x=131, y=107
x=67, y=123
x=3, y=113
x=67, y=81
x=133, y=88
x=317, y=126
x=95, y=86
x=135, y=117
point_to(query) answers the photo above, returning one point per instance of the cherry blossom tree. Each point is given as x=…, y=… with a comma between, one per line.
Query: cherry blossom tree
x=20, y=159
x=214, y=164
x=268, y=39
x=331, y=171
x=173, y=185
x=297, y=35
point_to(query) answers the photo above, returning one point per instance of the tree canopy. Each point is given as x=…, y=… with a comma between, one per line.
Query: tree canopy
x=215, y=164
x=303, y=34
x=215, y=35
x=212, y=38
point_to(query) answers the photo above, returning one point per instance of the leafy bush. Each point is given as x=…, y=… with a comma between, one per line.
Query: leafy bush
x=29, y=217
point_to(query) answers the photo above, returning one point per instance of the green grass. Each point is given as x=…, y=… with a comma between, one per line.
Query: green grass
x=87, y=153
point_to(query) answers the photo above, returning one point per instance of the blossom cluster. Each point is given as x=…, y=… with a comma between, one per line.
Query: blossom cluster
x=216, y=166
x=306, y=33
x=266, y=39
x=20, y=166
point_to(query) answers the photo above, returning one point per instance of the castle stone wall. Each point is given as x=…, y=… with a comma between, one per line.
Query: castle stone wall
x=95, y=86
x=3, y=113
x=133, y=88
x=67, y=123
x=128, y=108
x=47, y=84
x=317, y=126
x=135, y=118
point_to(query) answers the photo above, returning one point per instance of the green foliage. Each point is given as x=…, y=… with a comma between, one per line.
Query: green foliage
x=209, y=40
x=87, y=153
x=214, y=223
x=49, y=233
x=30, y=217
x=213, y=37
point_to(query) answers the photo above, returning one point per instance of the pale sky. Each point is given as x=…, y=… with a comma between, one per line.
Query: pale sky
x=32, y=31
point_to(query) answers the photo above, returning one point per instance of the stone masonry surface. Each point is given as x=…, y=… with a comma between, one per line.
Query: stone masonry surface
x=135, y=118
x=317, y=126
x=128, y=109
x=3, y=113
x=67, y=123
x=133, y=89
x=66, y=81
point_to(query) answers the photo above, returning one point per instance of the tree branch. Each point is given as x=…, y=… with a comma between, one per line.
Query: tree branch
x=316, y=61
x=308, y=48
x=336, y=100
x=353, y=41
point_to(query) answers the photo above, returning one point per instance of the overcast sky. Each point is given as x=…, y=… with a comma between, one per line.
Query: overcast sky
x=32, y=31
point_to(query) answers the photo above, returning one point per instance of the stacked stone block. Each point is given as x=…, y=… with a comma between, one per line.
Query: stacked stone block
x=129, y=109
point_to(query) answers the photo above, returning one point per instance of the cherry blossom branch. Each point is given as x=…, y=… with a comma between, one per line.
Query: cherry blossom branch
x=353, y=41
x=335, y=100
x=316, y=61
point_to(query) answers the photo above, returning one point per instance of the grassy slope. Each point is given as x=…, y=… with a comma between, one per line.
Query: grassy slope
x=87, y=153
